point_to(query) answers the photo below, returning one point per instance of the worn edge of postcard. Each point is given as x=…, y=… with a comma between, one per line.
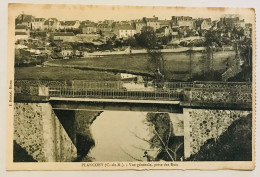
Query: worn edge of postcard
x=66, y=166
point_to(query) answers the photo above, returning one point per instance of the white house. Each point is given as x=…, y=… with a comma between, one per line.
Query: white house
x=38, y=24
x=125, y=31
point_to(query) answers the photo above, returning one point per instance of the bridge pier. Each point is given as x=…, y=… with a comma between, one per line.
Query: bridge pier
x=201, y=125
x=67, y=120
x=39, y=132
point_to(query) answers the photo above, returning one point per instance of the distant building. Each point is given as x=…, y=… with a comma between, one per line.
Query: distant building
x=69, y=24
x=203, y=24
x=66, y=50
x=164, y=23
x=124, y=30
x=214, y=24
x=51, y=24
x=22, y=28
x=103, y=27
x=232, y=21
x=248, y=32
x=126, y=76
x=87, y=37
x=152, y=22
x=248, y=25
x=24, y=19
x=64, y=36
x=88, y=28
x=21, y=36
x=108, y=22
x=139, y=26
x=38, y=23
x=183, y=21
x=164, y=31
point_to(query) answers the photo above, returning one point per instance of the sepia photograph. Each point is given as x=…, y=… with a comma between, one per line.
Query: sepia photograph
x=130, y=87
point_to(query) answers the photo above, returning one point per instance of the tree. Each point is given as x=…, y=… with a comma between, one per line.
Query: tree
x=190, y=54
x=131, y=42
x=148, y=40
x=212, y=40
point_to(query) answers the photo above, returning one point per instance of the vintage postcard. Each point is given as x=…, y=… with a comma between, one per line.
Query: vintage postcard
x=130, y=87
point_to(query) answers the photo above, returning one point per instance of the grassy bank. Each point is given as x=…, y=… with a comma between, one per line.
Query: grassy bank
x=177, y=66
x=57, y=73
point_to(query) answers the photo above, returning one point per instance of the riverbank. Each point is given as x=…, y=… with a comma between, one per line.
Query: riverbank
x=129, y=51
x=101, y=69
x=107, y=68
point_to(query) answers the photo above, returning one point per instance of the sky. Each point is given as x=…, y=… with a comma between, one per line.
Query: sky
x=117, y=13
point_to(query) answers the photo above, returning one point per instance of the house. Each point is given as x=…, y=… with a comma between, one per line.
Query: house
x=203, y=24
x=88, y=28
x=24, y=19
x=248, y=32
x=164, y=31
x=66, y=50
x=87, y=37
x=183, y=21
x=56, y=55
x=69, y=24
x=38, y=23
x=52, y=24
x=139, y=26
x=22, y=28
x=21, y=36
x=164, y=23
x=42, y=35
x=104, y=27
x=232, y=21
x=63, y=36
x=79, y=53
x=108, y=22
x=214, y=24
x=248, y=25
x=124, y=30
x=152, y=22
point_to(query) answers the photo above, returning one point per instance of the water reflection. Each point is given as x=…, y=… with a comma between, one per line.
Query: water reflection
x=123, y=136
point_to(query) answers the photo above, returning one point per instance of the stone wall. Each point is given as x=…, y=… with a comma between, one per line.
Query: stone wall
x=211, y=97
x=38, y=130
x=203, y=124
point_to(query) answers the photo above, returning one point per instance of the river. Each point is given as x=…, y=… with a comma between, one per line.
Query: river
x=125, y=136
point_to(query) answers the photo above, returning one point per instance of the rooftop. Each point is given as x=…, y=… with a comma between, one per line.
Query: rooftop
x=38, y=20
x=68, y=23
x=124, y=27
x=63, y=34
x=21, y=27
x=20, y=33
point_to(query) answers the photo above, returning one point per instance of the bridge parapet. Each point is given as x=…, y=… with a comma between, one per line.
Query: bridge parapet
x=235, y=98
x=204, y=94
x=222, y=85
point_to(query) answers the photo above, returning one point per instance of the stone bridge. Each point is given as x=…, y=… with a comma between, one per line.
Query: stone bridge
x=208, y=109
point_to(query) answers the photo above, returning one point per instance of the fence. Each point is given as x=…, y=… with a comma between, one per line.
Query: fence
x=113, y=94
x=117, y=89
